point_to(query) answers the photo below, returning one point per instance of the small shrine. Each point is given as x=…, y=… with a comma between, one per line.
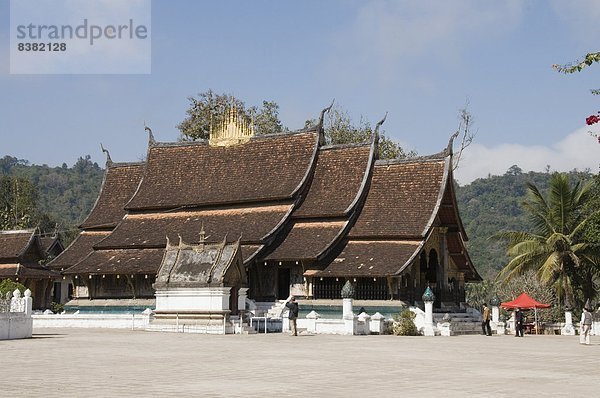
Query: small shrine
x=200, y=285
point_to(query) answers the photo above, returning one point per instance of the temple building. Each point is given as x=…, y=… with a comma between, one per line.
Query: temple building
x=22, y=257
x=306, y=217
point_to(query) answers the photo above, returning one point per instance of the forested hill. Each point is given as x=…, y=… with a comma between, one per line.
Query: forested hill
x=493, y=204
x=65, y=195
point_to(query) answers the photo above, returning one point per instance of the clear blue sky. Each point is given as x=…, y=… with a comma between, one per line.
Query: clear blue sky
x=418, y=60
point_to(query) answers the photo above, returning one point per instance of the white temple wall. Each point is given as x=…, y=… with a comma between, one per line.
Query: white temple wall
x=193, y=299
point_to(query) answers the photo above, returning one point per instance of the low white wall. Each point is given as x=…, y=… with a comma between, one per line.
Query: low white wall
x=15, y=326
x=16, y=322
x=108, y=321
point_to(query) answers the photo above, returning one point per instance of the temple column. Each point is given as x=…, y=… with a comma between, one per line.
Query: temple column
x=443, y=259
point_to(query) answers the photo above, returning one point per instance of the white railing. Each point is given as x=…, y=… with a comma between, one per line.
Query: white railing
x=15, y=316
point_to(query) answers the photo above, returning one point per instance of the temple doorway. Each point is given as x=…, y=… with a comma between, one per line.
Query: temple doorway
x=283, y=283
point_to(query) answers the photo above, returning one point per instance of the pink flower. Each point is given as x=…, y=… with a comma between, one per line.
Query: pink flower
x=593, y=119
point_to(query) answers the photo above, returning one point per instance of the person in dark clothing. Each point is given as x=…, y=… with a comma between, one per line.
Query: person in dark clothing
x=292, y=306
x=485, y=320
x=518, y=323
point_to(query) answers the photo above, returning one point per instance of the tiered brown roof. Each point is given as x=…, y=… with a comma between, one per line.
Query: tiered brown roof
x=405, y=201
x=372, y=258
x=286, y=198
x=307, y=240
x=253, y=223
x=77, y=250
x=267, y=168
x=122, y=261
x=402, y=199
x=120, y=182
x=20, y=254
x=14, y=243
x=244, y=191
x=339, y=183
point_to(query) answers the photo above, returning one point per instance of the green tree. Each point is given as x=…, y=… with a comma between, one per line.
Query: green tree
x=340, y=129
x=210, y=108
x=17, y=202
x=555, y=248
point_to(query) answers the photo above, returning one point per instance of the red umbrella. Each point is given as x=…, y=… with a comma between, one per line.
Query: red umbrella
x=526, y=302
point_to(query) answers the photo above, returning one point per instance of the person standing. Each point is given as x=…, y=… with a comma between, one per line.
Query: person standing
x=292, y=306
x=585, y=326
x=485, y=320
x=518, y=323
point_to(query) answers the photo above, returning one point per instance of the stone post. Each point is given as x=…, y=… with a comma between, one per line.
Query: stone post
x=312, y=321
x=568, y=329
x=364, y=320
x=350, y=320
x=495, y=302
x=377, y=323
x=242, y=296
x=501, y=326
x=28, y=302
x=428, y=299
x=16, y=302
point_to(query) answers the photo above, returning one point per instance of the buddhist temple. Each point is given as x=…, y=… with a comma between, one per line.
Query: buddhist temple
x=307, y=218
x=22, y=257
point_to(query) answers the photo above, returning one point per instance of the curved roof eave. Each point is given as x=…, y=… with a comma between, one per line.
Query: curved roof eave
x=438, y=203
x=109, y=165
x=414, y=255
x=362, y=191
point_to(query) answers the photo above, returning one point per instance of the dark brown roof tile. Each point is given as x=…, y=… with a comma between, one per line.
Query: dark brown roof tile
x=127, y=261
x=14, y=243
x=307, y=240
x=337, y=181
x=119, y=185
x=371, y=258
x=150, y=230
x=196, y=174
x=402, y=199
x=77, y=250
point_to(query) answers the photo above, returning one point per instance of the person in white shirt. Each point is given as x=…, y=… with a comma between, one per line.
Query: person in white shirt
x=585, y=326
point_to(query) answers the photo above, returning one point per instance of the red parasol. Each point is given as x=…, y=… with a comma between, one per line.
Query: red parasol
x=526, y=302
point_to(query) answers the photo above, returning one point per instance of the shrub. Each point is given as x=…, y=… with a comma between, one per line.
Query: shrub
x=404, y=324
x=57, y=308
x=6, y=286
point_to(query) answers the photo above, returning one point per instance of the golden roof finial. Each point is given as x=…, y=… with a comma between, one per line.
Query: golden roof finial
x=234, y=128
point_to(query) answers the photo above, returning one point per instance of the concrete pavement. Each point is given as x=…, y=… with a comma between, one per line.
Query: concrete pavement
x=124, y=363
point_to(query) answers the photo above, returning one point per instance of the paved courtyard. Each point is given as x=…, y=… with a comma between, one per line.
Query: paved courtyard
x=122, y=363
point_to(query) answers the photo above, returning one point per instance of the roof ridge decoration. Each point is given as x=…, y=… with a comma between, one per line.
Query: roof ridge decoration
x=446, y=152
x=232, y=130
x=321, y=121
x=109, y=161
x=375, y=135
x=151, y=140
x=448, y=149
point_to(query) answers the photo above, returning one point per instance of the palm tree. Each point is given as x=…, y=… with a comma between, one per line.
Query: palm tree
x=555, y=249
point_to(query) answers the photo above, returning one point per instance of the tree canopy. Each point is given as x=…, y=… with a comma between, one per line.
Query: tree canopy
x=340, y=129
x=555, y=246
x=209, y=109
